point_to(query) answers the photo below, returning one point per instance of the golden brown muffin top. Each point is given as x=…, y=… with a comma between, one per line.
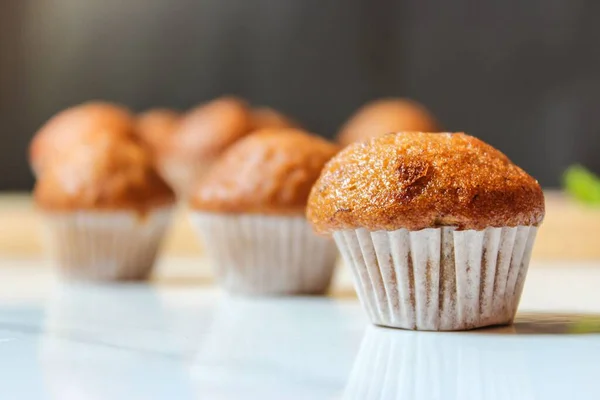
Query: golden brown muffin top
x=156, y=126
x=420, y=180
x=102, y=172
x=205, y=131
x=267, y=118
x=385, y=116
x=269, y=172
x=66, y=127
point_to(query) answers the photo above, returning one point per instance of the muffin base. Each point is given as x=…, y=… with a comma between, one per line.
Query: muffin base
x=439, y=279
x=111, y=245
x=266, y=255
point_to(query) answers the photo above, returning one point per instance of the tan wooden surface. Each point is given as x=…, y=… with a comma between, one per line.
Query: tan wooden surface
x=570, y=232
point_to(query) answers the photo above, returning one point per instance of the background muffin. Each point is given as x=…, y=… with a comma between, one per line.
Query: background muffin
x=249, y=209
x=155, y=127
x=384, y=116
x=266, y=117
x=438, y=228
x=201, y=136
x=106, y=208
x=68, y=126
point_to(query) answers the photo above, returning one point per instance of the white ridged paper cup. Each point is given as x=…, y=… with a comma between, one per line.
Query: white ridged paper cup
x=105, y=245
x=439, y=279
x=266, y=255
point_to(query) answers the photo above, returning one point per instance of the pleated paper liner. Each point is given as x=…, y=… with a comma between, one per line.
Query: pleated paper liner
x=439, y=279
x=111, y=245
x=266, y=255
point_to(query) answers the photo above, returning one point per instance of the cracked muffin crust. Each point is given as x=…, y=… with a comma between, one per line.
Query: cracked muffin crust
x=416, y=180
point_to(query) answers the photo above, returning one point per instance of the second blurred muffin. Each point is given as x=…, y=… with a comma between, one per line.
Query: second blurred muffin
x=106, y=208
x=249, y=211
x=156, y=126
x=201, y=136
x=266, y=117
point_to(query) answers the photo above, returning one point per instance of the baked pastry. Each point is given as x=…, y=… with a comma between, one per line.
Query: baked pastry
x=249, y=210
x=201, y=136
x=155, y=127
x=268, y=118
x=106, y=208
x=66, y=127
x=438, y=228
x=384, y=116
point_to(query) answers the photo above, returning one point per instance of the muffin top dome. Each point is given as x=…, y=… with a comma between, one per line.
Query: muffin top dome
x=269, y=172
x=155, y=127
x=205, y=131
x=102, y=172
x=423, y=180
x=385, y=116
x=266, y=117
x=66, y=127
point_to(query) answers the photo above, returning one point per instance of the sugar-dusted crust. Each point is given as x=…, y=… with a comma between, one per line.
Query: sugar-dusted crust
x=156, y=126
x=102, y=172
x=384, y=116
x=423, y=180
x=68, y=126
x=269, y=172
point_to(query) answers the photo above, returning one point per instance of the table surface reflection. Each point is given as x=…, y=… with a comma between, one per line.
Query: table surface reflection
x=135, y=341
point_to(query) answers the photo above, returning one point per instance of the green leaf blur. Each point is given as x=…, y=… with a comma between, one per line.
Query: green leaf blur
x=582, y=184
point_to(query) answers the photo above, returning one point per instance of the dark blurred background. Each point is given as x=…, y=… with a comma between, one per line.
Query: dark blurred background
x=522, y=75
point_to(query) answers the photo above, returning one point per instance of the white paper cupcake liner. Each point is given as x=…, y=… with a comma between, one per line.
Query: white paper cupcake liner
x=439, y=279
x=268, y=255
x=111, y=245
x=393, y=365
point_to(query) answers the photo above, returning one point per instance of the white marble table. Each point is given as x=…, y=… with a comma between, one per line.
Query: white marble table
x=183, y=341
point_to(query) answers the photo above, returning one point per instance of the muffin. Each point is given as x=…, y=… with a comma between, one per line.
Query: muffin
x=105, y=207
x=437, y=228
x=66, y=127
x=265, y=117
x=384, y=116
x=249, y=211
x=201, y=136
x=154, y=127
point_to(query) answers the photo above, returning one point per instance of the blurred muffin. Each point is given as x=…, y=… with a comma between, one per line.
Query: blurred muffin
x=437, y=228
x=106, y=208
x=384, y=116
x=249, y=210
x=202, y=135
x=265, y=117
x=155, y=127
x=66, y=127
